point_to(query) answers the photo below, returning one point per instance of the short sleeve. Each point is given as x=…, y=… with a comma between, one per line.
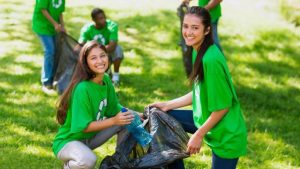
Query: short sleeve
x=84, y=34
x=113, y=105
x=113, y=29
x=42, y=4
x=81, y=109
x=217, y=84
x=63, y=6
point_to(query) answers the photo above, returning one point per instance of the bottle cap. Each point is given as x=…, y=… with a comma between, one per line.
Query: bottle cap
x=124, y=110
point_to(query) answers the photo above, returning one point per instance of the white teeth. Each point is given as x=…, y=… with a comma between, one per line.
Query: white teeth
x=100, y=66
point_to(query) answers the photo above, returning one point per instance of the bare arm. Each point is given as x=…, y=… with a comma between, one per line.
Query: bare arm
x=111, y=46
x=213, y=3
x=51, y=20
x=120, y=119
x=62, y=23
x=195, y=141
x=176, y=103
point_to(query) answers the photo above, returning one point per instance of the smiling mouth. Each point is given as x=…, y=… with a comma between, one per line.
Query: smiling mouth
x=100, y=66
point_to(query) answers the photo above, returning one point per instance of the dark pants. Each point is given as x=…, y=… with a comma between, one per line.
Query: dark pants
x=185, y=118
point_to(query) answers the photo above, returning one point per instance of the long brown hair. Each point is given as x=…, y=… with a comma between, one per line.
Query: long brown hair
x=198, y=73
x=82, y=72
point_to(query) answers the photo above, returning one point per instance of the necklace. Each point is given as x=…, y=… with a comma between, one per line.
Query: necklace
x=56, y=5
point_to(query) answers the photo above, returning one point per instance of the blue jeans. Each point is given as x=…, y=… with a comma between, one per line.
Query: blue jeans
x=214, y=26
x=48, y=43
x=222, y=163
x=185, y=118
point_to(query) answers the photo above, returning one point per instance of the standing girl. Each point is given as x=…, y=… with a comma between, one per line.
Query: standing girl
x=216, y=117
x=88, y=99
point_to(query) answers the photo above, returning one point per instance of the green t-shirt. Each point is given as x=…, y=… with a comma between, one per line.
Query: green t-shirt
x=40, y=24
x=228, y=138
x=103, y=36
x=89, y=102
x=215, y=13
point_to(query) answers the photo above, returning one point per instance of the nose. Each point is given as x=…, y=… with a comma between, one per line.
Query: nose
x=189, y=31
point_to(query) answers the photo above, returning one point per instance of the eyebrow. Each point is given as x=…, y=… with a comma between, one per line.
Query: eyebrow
x=192, y=25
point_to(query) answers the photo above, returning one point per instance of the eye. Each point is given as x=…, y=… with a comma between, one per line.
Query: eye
x=103, y=55
x=195, y=27
x=185, y=26
x=93, y=57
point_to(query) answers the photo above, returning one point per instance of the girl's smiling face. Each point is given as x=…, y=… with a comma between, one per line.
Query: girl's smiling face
x=193, y=30
x=97, y=61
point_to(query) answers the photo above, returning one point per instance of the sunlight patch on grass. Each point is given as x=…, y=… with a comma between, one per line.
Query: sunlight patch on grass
x=163, y=54
x=21, y=131
x=279, y=57
x=33, y=59
x=16, y=45
x=293, y=82
x=35, y=150
x=282, y=164
x=159, y=93
x=127, y=39
x=27, y=98
x=162, y=37
x=161, y=67
x=5, y=85
x=16, y=70
x=4, y=35
x=131, y=54
x=131, y=70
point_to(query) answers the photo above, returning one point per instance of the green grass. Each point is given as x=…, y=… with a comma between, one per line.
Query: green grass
x=261, y=47
x=290, y=9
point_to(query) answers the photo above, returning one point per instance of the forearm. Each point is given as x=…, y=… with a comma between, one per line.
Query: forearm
x=213, y=119
x=111, y=47
x=213, y=3
x=48, y=16
x=180, y=102
x=61, y=20
x=99, y=125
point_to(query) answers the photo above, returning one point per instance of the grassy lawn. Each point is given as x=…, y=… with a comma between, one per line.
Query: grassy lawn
x=261, y=47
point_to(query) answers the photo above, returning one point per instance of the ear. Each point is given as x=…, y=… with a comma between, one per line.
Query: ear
x=207, y=30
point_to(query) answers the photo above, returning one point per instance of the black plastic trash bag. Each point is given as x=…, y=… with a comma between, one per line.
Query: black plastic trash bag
x=66, y=55
x=169, y=144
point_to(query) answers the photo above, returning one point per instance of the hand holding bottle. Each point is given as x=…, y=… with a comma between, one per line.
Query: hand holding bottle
x=123, y=118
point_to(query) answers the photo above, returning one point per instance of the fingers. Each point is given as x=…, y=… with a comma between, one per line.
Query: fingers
x=152, y=105
x=125, y=118
x=193, y=150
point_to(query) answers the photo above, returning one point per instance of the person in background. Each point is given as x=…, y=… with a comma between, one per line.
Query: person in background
x=48, y=20
x=216, y=117
x=88, y=111
x=105, y=31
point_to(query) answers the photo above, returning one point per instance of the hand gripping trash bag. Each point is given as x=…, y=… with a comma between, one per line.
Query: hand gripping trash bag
x=66, y=55
x=169, y=143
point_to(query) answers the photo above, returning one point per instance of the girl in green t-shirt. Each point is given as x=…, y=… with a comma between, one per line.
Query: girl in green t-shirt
x=89, y=98
x=216, y=117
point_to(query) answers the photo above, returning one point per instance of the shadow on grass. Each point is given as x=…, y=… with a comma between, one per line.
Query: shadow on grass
x=273, y=105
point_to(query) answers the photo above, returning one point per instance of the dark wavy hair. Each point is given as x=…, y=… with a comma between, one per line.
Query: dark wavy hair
x=82, y=72
x=197, y=73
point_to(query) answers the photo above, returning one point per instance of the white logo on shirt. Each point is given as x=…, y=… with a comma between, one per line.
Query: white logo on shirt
x=102, y=104
x=56, y=5
x=100, y=38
